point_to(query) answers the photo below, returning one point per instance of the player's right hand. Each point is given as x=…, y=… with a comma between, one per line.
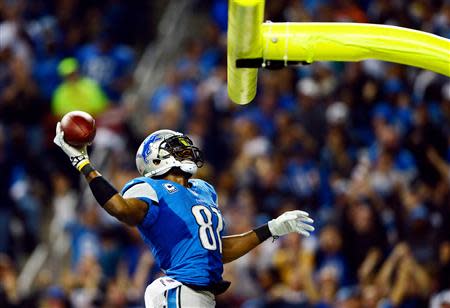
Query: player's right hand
x=78, y=156
x=292, y=221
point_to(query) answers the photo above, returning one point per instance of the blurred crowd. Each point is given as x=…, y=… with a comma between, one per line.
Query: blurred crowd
x=364, y=147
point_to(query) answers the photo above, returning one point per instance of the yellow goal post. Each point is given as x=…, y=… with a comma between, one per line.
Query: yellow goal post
x=253, y=44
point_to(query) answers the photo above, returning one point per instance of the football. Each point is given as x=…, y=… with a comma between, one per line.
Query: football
x=78, y=128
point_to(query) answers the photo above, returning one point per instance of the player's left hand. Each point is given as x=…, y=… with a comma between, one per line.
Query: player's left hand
x=292, y=221
x=78, y=156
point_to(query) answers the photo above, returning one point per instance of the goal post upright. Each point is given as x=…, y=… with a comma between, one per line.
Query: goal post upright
x=245, y=19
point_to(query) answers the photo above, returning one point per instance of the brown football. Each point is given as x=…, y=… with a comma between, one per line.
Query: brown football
x=78, y=128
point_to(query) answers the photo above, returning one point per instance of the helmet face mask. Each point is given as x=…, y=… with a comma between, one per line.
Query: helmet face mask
x=181, y=148
x=167, y=149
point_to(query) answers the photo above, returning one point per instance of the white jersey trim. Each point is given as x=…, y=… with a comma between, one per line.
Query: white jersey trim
x=141, y=190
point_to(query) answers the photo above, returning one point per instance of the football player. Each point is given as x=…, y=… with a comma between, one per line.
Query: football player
x=179, y=218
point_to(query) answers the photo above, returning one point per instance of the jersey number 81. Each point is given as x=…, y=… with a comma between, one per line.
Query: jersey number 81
x=206, y=229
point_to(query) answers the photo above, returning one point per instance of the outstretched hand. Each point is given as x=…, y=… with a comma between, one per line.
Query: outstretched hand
x=78, y=156
x=292, y=221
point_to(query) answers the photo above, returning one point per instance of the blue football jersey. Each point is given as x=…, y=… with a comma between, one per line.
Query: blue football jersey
x=183, y=228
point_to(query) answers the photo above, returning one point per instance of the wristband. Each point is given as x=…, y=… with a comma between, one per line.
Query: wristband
x=263, y=232
x=86, y=169
x=102, y=190
x=79, y=161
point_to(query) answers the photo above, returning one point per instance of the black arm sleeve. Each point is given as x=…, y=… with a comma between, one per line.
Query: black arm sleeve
x=102, y=190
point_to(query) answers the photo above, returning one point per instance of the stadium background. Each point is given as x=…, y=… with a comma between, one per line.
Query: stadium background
x=365, y=147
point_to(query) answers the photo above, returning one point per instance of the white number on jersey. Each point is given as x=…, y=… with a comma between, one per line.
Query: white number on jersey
x=206, y=231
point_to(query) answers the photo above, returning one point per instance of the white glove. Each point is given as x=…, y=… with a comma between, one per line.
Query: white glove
x=292, y=221
x=78, y=156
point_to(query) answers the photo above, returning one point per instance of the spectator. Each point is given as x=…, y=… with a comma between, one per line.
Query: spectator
x=54, y=297
x=330, y=254
x=362, y=228
x=108, y=63
x=19, y=100
x=9, y=296
x=6, y=203
x=64, y=205
x=77, y=92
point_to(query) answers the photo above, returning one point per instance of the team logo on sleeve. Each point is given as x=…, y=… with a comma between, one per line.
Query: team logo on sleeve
x=170, y=188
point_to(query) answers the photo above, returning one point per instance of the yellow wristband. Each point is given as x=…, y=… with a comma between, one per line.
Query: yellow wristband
x=82, y=164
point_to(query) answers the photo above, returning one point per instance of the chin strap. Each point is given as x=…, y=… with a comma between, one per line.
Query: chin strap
x=185, y=166
x=188, y=167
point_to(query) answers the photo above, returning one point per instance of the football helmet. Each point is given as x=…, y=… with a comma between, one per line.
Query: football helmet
x=166, y=149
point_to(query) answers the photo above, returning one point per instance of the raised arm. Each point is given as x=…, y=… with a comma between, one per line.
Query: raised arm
x=235, y=246
x=130, y=211
x=439, y=163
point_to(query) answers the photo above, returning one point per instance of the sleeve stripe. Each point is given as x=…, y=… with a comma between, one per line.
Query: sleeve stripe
x=141, y=190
